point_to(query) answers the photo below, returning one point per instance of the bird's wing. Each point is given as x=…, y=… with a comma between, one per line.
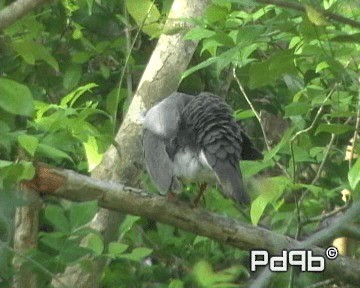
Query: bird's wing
x=227, y=172
x=161, y=126
x=249, y=152
x=164, y=118
x=219, y=138
x=230, y=179
x=158, y=163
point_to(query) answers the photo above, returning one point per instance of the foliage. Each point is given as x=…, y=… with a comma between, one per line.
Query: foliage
x=60, y=68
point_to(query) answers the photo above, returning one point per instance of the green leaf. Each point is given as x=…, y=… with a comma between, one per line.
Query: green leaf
x=15, y=98
x=199, y=66
x=56, y=243
x=271, y=189
x=199, y=33
x=90, y=4
x=176, y=283
x=336, y=129
x=16, y=171
x=28, y=171
x=82, y=213
x=239, y=115
x=297, y=108
x=247, y=35
x=29, y=143
x=56, y=215
x=284, y=141
x=316, y=190
x=260, y=75
x=116, y=249
x=215, y=13
x=73, y=253
x=165, y=232
x=137, y=254
x=92, y=155
x=72, y=76
x=315, y=16
x=127, y=224
x=95, y=243
x=4, y=163
x=347, y=38
x=204, y=273
x=208, y=278
x=81, y=57
x=354, y=174
x=265, y=73
x=251, y=168
x=52, y=153
x=145, y=9
x=301, y=154
x=31, y=51
x=321, y=66
x=257, y=209
x=74, y=95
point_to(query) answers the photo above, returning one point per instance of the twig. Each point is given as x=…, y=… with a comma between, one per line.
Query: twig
x=252, y=108
x=297, y=134
x=324, y=216
x=126, y=64
x=128, y=51
x=321, y=167
x=282, y=168
x=302, y=8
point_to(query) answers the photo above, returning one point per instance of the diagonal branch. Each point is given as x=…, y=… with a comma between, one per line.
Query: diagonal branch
x=299, y=7
x=16, y=10
x=76, y=187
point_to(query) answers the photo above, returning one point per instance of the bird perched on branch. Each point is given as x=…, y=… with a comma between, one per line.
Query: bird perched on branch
x=195, y=139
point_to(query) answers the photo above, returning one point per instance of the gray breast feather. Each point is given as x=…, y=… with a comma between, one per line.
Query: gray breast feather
x=190, y=166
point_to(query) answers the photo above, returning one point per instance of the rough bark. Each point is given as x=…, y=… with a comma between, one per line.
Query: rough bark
x=202, y=222
x=161, y=77
x=25, y=238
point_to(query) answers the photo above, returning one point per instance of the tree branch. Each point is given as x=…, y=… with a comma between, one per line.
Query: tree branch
x=300, y=7
x=16, y=10
x=72, y=186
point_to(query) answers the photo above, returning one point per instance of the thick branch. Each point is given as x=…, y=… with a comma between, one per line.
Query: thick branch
x=16, y=10
x=117, y=197
x=300, y=7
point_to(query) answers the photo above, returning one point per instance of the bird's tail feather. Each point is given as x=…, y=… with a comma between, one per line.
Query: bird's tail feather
x=231, y=181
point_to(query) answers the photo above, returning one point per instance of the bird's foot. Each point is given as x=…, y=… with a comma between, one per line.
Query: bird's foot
x=171, y=196
x=196, y=201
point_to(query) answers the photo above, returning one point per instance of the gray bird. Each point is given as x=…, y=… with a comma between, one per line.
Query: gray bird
x=195, y=139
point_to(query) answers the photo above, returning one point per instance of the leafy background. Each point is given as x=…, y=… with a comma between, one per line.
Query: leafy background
x=67, y=74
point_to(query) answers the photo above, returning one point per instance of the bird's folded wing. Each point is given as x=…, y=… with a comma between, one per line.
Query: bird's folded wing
x=228, y=175
x=159, y=165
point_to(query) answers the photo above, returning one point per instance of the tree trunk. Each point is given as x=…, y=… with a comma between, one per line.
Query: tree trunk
x=161, y=77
